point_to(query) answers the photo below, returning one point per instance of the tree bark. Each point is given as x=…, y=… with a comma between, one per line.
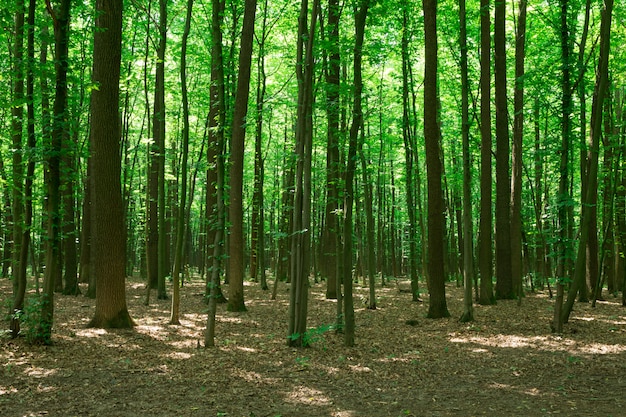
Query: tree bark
x=109, y=232
x=485, y=249
x=434, y=168
x=236, y=263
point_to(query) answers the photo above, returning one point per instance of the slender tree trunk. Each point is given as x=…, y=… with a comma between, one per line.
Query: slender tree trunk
x=410, y=149
x=182, y=209
x=17, y=165
x=301, y=223
x=257, y=235
x=468, y=256
x=158, y=126
x=330, y=243
x=517, y=162
x=563, y=194
x=357, y=119
x=216, y=123
x=600, y=91
x=504, y=282
x=485, y=249
x=236, y=263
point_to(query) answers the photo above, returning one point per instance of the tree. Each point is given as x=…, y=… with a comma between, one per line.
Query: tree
x=468, y=256
x=563, y=198
x=600, y=91
x=432, y=136
x=504, y=281
x=518, y=134
x=485, y=250
x=17, y=123
x=182, y=209
x=410, y=151
x=108, y=228
x=236, y=263
x=301, y=224
x=330, y=245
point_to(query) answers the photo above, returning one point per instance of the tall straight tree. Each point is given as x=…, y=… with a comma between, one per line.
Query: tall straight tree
x=60, y=16
x=599, y=93
x=236, y=263
x=410, y=149
x=357, y=121
x=485, y=248
x=108, y=228
x=434, y=168
x=216, y=211
x=17, y=124
x=504, y=282
x=563, y=197
x=518, y=133
x=257, y=235
x=301, y=223
x=468, y=256
x=182, y=209
x=216, y=122
x=330, y=232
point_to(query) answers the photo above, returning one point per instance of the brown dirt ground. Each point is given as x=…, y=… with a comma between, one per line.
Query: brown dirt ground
x=506, y=363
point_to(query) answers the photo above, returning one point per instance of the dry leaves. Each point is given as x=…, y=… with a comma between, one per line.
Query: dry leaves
x=504, y=363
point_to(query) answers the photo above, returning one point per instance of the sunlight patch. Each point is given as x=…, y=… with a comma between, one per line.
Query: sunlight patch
x=9, y=390
x=36, y=372
x=602, y=349
x=91, y=332
x=359, y=368
x=179, y=355
x=307, y=395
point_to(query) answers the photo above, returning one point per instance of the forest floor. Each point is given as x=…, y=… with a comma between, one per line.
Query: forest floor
x=505, y=363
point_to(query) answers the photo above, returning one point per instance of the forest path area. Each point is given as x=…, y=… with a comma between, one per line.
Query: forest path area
x=505, y=363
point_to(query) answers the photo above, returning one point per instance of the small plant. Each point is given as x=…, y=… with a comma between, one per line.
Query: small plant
x=303, y=361
x=37, y=329
x=313, y=335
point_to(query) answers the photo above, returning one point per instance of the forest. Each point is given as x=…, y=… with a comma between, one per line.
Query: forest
x=266, y=176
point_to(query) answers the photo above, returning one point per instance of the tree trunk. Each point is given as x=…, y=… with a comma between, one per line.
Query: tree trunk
x=182, y=209
x=236, y=263
x=485, y=249
x=600, y=90
x=504, y=282
x=109, y=232
x=468, y=256
x=517, y=162
x=564, y=246
x=434, y=168
x=330, y=250
x=17, y=165
x=410, y=149
x=301, y=223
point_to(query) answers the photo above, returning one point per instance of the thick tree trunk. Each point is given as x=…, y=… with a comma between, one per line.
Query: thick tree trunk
x=109, y=232
x=434, y=168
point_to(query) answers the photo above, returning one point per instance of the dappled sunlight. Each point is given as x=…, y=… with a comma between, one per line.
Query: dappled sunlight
x=7, y=390
x=246, y=349
x=178, y=355
x=91, y=332
x=306, y=395
x=547, y=343
x=37, y=372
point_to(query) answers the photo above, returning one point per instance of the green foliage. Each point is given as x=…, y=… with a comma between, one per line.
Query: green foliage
x=313, y=335
x=37, y=330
